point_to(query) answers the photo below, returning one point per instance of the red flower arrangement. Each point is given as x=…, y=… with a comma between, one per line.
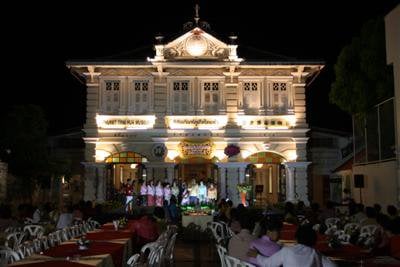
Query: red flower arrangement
x=231, y=150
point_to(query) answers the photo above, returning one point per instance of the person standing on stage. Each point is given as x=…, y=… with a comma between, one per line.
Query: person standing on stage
x=159, y=194
x=193, y=192
x=185, y=194
x=151, y=191
x=143, y=194
x=167, y=193
x=175, y=190
x=211, y=193
x=202, y=192
x=128, y=194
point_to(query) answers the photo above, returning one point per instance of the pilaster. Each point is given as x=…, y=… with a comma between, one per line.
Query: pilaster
x=297, y=182
x=235, y=174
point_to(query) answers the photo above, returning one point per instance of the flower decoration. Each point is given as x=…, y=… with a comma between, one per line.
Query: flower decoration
x=244, y=188
x=231, y=150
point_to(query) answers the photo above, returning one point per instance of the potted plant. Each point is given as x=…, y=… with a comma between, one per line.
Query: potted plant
x=243, y=188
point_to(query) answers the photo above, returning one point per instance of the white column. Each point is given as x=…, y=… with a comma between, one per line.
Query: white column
x=101, y=183
x=297, y=182
x=290, y=189
x=242, y=171
x=222, y=182
x=235, y=174
x=89, y=182
x=170, y=172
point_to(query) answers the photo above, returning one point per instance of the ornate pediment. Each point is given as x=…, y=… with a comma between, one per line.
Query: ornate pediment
x=196, y=44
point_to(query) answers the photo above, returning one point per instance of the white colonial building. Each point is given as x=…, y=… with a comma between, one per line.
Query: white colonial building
x=179, y=114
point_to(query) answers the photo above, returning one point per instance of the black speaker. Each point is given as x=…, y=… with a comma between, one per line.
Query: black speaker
x=259, y=188
x=358, y=180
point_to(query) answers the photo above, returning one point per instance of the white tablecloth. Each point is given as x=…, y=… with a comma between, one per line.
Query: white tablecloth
x=200, y=220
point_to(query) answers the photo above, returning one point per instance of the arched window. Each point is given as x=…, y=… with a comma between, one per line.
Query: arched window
x=125, y=157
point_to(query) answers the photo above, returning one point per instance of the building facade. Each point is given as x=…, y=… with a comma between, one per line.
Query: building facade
x=196, y=110
x=392, y=34
x=327, y=149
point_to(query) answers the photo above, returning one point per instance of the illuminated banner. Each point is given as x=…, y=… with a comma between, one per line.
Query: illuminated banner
x=250, y=122
x=196, y=149
x=125, y=122
x=197, y=122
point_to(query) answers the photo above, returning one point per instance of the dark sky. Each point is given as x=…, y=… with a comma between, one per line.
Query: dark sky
x=38, y=38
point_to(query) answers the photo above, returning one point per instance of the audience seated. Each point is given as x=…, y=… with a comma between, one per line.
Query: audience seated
x=266, y=245
x=371, y=215
x=392, y=211
x=302, y=254
x=65, y=218
x=359, y=215
x=290, y=214
x=239, y=244
x=328, y=212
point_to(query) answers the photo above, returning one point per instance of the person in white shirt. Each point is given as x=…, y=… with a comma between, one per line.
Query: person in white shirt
x=202, y=191
x=302, y=254
x=36, y=216
x=65, y=218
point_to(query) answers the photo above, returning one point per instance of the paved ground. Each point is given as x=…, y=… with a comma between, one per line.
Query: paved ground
x=196, y=254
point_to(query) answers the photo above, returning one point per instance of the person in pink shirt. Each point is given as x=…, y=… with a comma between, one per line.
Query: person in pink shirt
x=167, y=193
x=151, y=191
x=159, y=194
x=143, y=194
x=266, y=245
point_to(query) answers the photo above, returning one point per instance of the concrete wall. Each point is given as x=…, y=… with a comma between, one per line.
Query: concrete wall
x=379, y=183
x=392, y=32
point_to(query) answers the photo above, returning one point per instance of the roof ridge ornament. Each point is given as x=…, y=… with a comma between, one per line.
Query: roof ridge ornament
x=196, y=16
x=197, y=22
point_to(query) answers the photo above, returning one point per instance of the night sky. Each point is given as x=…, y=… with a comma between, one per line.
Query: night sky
x=38, y=38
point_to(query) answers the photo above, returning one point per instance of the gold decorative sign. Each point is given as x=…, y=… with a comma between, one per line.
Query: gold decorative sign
x=196, y=149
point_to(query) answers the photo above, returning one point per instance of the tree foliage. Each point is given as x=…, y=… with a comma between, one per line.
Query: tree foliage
x=23, y=145
x=363, y=78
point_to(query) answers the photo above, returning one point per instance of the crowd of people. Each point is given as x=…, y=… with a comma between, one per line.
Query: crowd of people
x=159, y=194
x=256, y=236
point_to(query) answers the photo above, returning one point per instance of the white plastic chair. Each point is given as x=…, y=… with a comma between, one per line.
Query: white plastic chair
x=350, y=227
x=133, y=261
x=156, y=257
x=370, y=229
x=53, y=239
x=221, y=252
x=14, y=240
x=331, y=230
x=94, y=224
x=28, y=220
x=169, y=251
x=330, y=222
x=218, y=231
x=34, y=230
x=44, y=242
x=8, y=256
x=234, y=262
x=342, y=237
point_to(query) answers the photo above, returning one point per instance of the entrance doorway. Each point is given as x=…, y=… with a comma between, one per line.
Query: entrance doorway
x=266, y=181
x=121, y=167
x=268, y=177
x=196, y=168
